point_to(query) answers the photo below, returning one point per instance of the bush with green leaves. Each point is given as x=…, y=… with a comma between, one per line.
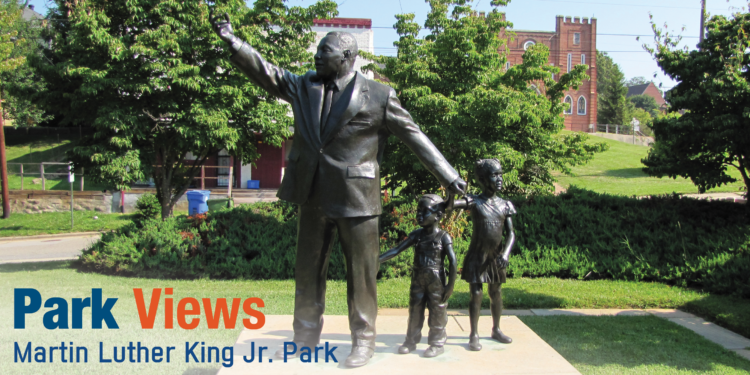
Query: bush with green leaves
x=147, y=207
x=578, y=234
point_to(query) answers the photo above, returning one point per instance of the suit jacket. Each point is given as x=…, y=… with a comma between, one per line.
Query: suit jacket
x=341, y=165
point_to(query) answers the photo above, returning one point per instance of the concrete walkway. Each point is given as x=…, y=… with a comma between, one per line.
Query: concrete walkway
x=710, y=331
x=46, y=248
x=528, y=354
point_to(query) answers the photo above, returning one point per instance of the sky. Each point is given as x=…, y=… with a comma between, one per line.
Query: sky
x=619, y=22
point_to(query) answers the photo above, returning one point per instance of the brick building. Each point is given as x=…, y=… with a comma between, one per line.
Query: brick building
x=573, y=42
x=650, y=90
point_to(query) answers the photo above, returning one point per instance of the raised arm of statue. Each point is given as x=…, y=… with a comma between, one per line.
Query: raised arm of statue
x=276, y=81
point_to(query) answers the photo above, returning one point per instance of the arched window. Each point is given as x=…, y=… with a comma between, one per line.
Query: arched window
x=528, y=44
x=569, y=102
x=582, y=106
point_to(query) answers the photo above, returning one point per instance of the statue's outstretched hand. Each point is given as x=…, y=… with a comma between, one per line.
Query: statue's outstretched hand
x=222, y=26
x=457, y=187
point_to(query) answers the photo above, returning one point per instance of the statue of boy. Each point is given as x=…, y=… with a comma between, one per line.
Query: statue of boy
x=428, y=288
x=487, y=257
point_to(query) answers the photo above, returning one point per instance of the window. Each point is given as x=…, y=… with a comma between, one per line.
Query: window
x=576, y=38
x=583, y=59
x=569, y=102
x=582, y=106
x=223, y=173
x=507, y=65
x=528, y=44
x=570, y=62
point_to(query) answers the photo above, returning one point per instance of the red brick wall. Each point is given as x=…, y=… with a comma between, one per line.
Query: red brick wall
x=653, y=92
x=561, y=43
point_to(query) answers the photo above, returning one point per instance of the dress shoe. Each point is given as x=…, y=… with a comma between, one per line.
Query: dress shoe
x=499, y=336
x=433, y=351
x=474, y=344
x=359, y=357
x=406, y=349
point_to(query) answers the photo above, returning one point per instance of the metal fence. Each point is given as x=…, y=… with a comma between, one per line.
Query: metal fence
x=614, y=129
x=38, y=169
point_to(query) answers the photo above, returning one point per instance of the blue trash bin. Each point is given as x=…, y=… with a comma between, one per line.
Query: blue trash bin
x=253, y=184
x=197, y=201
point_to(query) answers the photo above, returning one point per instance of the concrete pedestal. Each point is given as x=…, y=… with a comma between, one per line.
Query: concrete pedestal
x=528, y=354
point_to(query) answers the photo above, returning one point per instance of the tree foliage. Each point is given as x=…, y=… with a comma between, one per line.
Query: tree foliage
x=21, y=80
x=611, y=92
x=454, y=84
x=155, y=82
x=713, y=88
x=646, y=103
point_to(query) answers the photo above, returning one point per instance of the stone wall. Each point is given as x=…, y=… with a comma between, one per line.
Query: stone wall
x=37, y=201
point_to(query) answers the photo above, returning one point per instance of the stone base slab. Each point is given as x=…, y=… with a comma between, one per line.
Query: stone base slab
x=528, y=354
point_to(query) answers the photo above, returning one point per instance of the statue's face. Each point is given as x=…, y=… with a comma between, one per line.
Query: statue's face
x=493, y=180
x=427, y=213
x=330, y=59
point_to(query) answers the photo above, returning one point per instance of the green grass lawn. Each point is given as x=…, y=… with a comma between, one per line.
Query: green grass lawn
x=633, y=345
x=45, y=149
x=59, y=222
x=59, y=280
x=619, y=171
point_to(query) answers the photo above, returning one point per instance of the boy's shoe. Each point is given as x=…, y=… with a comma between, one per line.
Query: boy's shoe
x=433, y=351
x=406, y=349
x=474, y=344
x=499, y=336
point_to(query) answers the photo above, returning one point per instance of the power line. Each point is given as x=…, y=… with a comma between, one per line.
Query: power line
x=627, y=5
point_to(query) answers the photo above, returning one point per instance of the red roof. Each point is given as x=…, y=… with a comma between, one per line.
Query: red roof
x=345, y=22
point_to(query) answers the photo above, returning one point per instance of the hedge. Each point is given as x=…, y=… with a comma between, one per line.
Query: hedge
x=578, y=234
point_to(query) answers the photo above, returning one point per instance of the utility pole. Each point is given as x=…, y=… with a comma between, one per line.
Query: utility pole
x=703, y=20
x=4, y=167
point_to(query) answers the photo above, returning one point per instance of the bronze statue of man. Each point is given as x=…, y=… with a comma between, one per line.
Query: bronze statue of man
x=341, y=123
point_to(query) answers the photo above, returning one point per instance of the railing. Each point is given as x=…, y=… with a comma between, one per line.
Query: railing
x=203, y=177
x=42, y=173
x=615, y=129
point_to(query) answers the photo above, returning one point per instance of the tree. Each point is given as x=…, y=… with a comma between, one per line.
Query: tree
x=453, y=83
x=612, y=93
x=646, y=103
x=713, y=135
x=8, y=62
x=155, y=82
x=635, y=81
x=17, y=82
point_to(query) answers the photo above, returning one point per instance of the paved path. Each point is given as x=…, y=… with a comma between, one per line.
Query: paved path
x=44, y=249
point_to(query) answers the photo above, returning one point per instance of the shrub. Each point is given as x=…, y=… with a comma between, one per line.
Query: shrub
x=578, y=234
x=147, y=207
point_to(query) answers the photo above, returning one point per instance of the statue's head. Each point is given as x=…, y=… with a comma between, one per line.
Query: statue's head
x=430, y=209
x=489, y=174
x=335, y=55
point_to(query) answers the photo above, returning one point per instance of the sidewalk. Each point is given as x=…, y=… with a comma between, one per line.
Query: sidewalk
x=45, y=248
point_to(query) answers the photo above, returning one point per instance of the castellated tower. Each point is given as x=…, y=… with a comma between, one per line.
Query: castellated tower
x=572, y=43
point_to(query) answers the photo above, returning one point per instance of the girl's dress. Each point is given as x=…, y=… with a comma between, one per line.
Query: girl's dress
x=481, y=262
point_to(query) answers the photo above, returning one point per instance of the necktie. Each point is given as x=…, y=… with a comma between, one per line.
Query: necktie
x=327, y=99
